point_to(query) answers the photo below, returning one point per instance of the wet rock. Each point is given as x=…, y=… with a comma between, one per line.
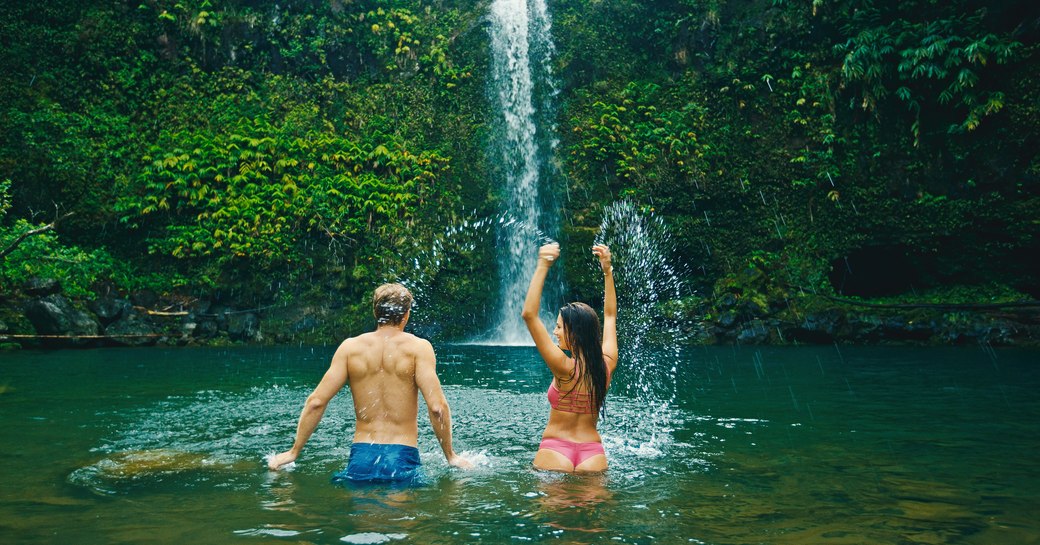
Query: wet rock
x=201, y=306
x=997, y=332
x=188, y=326
x=961, y=327
x=728, y=300
x=818, y=327
x=901, y=328
x=54, y=315
x=131, y=331
x=219, y=314
x=206, y=329
x=728, y=319
x=753, y=332
x=863, y=328
x=701, y=334
x=144, y=298
x=244, y=326
x=41, y=287
x=109, y=309
x=307, y=324
x=749, y=306
x=827, y=321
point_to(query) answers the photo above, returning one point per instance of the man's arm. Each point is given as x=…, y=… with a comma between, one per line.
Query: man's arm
x=314, y=408
x=440, y=414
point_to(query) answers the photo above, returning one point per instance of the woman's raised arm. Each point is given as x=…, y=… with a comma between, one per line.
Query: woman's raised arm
x=553, y=356
x=610, y=347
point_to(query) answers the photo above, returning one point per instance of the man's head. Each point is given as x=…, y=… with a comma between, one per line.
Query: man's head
x=391, y=303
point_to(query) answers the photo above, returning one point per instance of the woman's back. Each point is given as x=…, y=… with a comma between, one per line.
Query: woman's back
x=571, y=441
x=574, y=414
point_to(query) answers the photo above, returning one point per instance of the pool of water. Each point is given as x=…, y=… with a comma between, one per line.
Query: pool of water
x=746, y=445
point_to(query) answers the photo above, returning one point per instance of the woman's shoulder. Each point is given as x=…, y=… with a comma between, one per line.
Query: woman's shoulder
x=569, y=372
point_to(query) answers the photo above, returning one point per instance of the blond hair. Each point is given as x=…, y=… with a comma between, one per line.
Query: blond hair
x=390, y=303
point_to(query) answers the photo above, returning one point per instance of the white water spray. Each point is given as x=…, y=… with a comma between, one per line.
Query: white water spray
x=650, y=343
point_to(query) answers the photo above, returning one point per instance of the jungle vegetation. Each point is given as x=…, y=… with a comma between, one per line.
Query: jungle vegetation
x=267, y=151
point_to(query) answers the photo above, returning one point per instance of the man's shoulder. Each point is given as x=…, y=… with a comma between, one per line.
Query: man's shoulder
x=416, y=341
x=357, y=342
x=404, y=338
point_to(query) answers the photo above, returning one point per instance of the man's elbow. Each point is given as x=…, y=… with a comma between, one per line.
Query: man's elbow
x=438, y=410
x=315, y=403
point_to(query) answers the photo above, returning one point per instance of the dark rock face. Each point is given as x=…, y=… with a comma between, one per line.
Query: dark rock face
x=956, y=327
x=904, y=329
x=728, y=319
x=820, y=327
x=109, y=309
x=220, y=314
x=131, y=331
x=42, y=287
x=306, y=324
x=144, y=298
x=753, y=332
x=244, y=327
x=206, y=329
x=54, y=315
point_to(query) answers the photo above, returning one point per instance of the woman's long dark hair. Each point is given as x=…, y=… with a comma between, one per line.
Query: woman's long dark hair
x=581, y=325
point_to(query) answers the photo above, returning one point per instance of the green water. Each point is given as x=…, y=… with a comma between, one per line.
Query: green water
x=801, y=445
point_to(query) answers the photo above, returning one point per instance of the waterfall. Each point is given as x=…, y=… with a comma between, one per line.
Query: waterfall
x=522, y=92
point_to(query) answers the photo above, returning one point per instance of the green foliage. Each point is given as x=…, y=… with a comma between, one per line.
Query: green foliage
x=928, y=67
x=988, y=293
x=44, y=256
x=241, y=144
x=364, y=38
x=228, y=140
x=644, y=137
x=258, y=193
x=5, y=198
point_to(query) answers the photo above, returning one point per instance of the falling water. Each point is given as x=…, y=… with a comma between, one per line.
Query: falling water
x=426, y=262
x=521, y=51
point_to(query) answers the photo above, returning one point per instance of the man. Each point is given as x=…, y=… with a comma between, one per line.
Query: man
x=385, y=369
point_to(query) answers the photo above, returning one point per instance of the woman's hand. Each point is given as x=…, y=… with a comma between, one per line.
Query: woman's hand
x=548, y=253
x=603, y=253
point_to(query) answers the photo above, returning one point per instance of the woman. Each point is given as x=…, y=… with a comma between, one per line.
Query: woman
x=570, y=442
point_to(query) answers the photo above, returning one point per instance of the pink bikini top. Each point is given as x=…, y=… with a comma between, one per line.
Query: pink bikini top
x=573, y=401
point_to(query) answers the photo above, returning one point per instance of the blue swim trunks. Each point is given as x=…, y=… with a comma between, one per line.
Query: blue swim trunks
x=382, y=463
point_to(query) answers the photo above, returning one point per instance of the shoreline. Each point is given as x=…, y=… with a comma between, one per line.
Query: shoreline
x=55, y=322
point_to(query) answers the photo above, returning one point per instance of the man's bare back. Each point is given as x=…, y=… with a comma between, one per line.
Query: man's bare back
x=381, y=371
x=386, y=370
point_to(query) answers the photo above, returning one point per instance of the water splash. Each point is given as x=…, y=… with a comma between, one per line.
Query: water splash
x=427, y=261
x=647, y=280
x=521, y=55
x=291, y=466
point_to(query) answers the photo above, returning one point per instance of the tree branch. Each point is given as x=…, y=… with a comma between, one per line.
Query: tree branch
x=32, y=232
x=941, y=306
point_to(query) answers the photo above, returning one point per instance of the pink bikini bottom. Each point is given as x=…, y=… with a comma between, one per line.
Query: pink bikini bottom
x=575, y=452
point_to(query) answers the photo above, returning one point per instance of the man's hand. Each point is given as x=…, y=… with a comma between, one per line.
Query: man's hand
x=460, y=462
x=279, y=460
